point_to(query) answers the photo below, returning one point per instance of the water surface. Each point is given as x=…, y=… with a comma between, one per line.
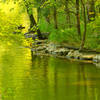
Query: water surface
x=27, y=77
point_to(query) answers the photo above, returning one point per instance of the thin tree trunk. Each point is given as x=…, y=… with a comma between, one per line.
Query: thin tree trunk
x=85, y=26
x=39, y=13
x=55, y=17
x=67, y=14
x=47, y=19
x=87, y=7
x=33, y=23
x=91, y=10
x=78, y=18
x=32, y=20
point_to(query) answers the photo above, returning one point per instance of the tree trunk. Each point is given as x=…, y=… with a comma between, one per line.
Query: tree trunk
x=33, y=23
x=67, y=14
x=78, y=18
x=87, y=8
x=91, y=10
x=85, y=25
x=47, y=19
x=55, y=17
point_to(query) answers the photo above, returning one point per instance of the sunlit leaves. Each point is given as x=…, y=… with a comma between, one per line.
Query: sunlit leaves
x=11, y=9
x=8, y=23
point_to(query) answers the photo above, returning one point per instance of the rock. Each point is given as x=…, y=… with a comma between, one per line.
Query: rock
x=46, y=51
x=31, y=35
x=77, y=54
x=45, y=35
x=61, y=51
x=96, y=58
x=40, y=48
x=97, y=64
x=51, y=48
x=74, y=54
x=87, y=57
x=70, y=54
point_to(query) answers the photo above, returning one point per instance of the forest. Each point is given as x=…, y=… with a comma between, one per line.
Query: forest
x=73, y=22
x=49, y=49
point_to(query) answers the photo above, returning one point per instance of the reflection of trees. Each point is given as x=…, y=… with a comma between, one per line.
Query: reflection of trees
x=13, y=66
x=46, y=78
x=86, y=86
x=6, y=76
x=36, y=82
x=81, y=78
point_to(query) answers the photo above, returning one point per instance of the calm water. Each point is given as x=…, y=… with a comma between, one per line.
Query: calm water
x=26, y=77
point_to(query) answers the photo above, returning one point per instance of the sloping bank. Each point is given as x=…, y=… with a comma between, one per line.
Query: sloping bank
x=43, y=47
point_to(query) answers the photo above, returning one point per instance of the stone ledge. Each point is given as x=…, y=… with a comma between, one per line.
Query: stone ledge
x=61, y=51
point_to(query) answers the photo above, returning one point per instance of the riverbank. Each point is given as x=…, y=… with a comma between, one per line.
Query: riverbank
x=43, y=47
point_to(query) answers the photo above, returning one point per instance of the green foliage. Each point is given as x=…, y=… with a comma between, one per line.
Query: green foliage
x=9, y=23
x=65, y=16
x=43, y=25
x=93, y=36
x=68, y=36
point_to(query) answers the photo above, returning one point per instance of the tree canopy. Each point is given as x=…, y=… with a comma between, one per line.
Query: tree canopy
x=74, y=22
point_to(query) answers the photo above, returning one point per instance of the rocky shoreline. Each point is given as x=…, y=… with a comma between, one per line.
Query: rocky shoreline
x=43, y=47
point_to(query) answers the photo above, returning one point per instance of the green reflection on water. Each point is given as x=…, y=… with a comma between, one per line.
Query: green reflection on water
x=27, y=77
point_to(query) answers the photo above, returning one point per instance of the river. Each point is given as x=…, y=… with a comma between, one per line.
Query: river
x=27, y=77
